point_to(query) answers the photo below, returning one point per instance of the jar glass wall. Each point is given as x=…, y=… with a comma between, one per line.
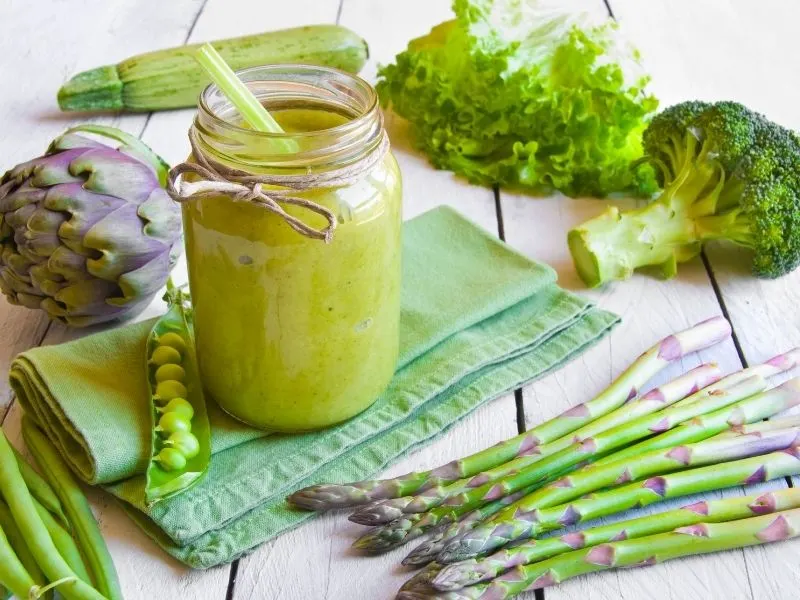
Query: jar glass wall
x=294, y=333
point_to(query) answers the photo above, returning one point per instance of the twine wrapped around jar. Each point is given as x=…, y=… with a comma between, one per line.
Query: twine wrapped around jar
x=215, y=178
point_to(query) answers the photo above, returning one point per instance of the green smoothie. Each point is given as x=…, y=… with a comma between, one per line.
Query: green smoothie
x=294, y=334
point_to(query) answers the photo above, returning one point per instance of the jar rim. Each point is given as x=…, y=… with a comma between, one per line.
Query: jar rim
x=296, y=68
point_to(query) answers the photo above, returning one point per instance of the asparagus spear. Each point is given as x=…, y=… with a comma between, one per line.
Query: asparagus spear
x=465, y=523
x=750, y=410
x=656, y=462
x=700, y=538
x=758, y=407
x=411, y=526
x=422, y=581
x=760, y=427
x=624, y=388
x=472, y=571
x=686, y=385
x=520, y=525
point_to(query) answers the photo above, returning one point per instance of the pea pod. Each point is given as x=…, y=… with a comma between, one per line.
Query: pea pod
x=181, y=439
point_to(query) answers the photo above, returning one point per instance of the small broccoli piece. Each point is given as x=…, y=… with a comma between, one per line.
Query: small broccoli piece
x=727, y=173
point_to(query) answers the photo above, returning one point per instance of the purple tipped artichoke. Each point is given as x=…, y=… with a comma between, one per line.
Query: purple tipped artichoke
x=87, y=231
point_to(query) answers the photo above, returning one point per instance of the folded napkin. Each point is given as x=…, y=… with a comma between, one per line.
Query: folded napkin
x=478, y=320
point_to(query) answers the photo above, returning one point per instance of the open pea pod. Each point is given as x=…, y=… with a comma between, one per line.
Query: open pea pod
x=181, y=434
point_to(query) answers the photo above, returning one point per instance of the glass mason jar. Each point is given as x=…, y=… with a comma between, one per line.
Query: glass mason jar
x=293, y=333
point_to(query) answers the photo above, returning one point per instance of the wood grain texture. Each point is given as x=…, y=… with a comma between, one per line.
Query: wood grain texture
x=714, y=49
x=742, y=51
x=315, y=561
x=37, y=55
x=76, y=36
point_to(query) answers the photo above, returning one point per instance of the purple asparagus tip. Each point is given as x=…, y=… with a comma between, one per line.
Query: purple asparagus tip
x=657, y=484
x=624, y=477
x=495, y=493
x=655, y=395
x=682, y=454
x=758, y=476
x=700, y=508
x=543, y=581
x=579, y=410
x=574, y=540
x=670, y=349
x=478, y=480
x=564, y=482
x=529, y=442
x=602, y=555
x=764, y=504
x=776, y=531
x=661, y=426
x=449, y=472
x=698, y=530
x=621, y=536
x=570, y=516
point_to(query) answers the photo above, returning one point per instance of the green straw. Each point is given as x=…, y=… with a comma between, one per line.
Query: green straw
x=239, y=94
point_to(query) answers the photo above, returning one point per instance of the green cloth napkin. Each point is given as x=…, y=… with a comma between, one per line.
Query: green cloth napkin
x=478, y=320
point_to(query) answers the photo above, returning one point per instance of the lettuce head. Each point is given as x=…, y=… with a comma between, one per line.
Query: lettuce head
x=526, y=94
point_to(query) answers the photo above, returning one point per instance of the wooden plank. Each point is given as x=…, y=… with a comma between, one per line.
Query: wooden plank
x=745, y=51
x=650, y=309
x=73, y=38
x=314, y=561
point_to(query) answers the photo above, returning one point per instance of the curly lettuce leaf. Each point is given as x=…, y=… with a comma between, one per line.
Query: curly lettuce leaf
x=520, y=93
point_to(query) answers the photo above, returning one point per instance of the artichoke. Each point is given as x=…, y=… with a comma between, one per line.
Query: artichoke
x=87, y=231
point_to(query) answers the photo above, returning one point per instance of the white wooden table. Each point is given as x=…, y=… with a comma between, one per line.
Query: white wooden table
x=743, y=50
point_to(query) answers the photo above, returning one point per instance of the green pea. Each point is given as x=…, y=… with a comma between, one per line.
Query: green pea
x=164, y=355
x=185, y=442
x=167, y=390
x=170, y=371
x=173, y=340
x=171, y=422
x=170, y=459
x=178, y=406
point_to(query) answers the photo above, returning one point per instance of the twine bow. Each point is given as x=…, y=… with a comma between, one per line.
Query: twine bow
x=215, y=178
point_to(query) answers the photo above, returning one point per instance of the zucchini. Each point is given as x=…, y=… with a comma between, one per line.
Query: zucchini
x=173, y=79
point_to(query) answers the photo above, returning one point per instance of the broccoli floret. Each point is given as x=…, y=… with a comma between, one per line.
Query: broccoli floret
x=727, y=173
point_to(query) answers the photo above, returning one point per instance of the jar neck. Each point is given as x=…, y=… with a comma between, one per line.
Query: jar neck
x=345, y=98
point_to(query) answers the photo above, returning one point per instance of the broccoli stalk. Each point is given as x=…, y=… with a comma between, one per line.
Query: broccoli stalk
x=727, y=173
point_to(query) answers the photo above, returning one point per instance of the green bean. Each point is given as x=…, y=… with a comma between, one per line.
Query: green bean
x=64, y=543
x=19, y=546
x=80, y=517
x=13, y=575
x=20, y=501
x=40, y=490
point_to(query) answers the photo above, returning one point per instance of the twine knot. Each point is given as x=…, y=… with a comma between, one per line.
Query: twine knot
x=215, y=178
